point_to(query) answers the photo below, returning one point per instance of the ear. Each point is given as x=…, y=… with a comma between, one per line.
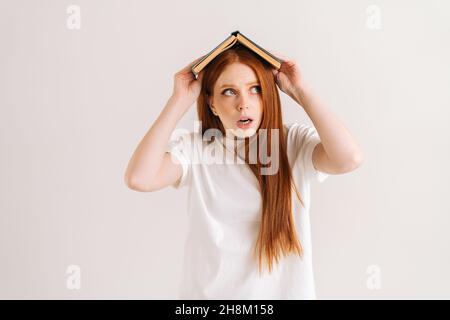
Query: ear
x=213, y=110
x=210, y=103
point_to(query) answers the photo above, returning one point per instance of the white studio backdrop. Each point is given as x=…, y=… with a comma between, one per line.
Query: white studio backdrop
x=82, y=81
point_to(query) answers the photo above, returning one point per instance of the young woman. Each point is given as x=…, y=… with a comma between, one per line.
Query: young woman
x=249, y=230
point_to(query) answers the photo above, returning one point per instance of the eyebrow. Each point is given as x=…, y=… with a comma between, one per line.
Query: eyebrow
x=230, y=85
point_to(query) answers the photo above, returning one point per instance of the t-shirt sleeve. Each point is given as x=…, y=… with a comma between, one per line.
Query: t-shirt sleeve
x=180, y=149
x=307, y=138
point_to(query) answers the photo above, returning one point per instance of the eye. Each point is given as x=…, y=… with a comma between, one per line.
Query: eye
x=259, y=88
x=224, y=91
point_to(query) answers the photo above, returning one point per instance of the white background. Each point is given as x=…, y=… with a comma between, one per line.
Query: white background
x=75, y=103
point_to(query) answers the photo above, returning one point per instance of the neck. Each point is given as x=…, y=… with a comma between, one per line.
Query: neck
x=236, y=144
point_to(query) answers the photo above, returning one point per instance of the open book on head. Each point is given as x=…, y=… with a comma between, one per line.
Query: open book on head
x=236, y=37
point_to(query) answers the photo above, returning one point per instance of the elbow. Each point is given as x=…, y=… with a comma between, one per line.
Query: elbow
x=358, y=160
x=135, y=184
x=350, y=164
x=355, y=162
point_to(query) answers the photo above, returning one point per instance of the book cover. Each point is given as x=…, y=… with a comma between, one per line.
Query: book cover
x=230, y=41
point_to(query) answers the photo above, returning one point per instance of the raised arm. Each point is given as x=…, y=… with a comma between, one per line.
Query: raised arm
x=338, y=152
x=150, y=167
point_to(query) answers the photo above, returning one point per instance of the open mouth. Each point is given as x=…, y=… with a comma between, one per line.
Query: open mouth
x=244, y=120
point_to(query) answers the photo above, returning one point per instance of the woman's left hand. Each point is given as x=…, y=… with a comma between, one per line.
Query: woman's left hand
x=288, y=77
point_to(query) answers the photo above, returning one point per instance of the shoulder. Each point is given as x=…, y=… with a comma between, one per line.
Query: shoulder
x=190, y=142
x=298, y=134
x=302, y=139
x=184, y=141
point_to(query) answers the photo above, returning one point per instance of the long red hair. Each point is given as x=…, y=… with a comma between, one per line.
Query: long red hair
x=277, y=236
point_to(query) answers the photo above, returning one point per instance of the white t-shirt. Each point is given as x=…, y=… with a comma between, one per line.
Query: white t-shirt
x=224, y=210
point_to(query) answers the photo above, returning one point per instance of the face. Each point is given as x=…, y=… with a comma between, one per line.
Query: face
x=237, y=100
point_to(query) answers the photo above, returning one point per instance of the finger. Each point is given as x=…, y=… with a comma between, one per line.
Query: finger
x=275, y=75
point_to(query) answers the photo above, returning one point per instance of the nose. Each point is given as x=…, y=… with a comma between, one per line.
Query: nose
x=243, y=102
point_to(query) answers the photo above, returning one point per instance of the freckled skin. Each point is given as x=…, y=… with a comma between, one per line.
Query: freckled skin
x=239, y=99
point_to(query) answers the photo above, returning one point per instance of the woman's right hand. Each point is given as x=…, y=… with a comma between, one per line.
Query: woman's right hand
x=186, y=88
